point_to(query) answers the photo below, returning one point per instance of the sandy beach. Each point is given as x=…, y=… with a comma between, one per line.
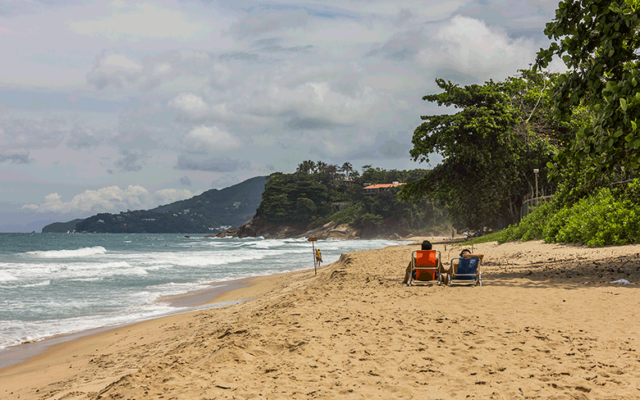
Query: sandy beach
x=546, y=324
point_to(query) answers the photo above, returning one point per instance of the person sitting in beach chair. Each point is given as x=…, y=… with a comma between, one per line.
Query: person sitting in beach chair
x=425, y=266
x=466, y=268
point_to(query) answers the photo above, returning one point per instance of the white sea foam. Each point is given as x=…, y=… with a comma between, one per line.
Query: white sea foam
x=198, y=258
x=84, y=252
x=39, y=284
x=269, y=243
x=73, y=271
x=16, y=332
x=6, y=277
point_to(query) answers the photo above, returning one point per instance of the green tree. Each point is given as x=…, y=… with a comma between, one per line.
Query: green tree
x=598, y=41
x=488, y=149
x=306, y=167
x=321, y=166
x=347, y=169
x=305, y=210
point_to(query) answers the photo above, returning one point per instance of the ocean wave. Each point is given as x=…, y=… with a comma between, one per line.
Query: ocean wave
x=43, y=283
x=6, y=277
x=268, y=243
x=84, y=252
x=71, y=271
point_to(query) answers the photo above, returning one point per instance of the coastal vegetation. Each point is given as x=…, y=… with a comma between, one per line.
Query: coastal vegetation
x=319, y=193
x=598, y=162
x=578, y=130
x=489, y=148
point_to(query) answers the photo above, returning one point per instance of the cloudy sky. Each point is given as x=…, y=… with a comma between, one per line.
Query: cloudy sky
x=109, y=105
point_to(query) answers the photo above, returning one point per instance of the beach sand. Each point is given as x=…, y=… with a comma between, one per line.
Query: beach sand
x=546, y=324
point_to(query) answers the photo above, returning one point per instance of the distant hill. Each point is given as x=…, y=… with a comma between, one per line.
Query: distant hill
x=212, y=211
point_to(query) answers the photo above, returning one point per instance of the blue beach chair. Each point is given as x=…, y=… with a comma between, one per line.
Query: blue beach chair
x=468, y=271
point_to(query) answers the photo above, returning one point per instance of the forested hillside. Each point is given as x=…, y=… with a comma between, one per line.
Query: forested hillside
x=318, y=193
x=211, y=211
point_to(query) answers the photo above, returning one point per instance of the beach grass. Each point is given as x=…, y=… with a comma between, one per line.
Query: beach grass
x=491, y=237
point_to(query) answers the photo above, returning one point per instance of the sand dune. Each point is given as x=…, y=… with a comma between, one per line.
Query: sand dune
x=546, y=324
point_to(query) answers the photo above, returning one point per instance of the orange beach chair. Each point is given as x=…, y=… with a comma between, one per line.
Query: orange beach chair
x=425, y=267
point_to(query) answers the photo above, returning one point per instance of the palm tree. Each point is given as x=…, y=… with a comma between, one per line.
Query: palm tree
x=347, y=168
x=306, y=167
x=321, y=166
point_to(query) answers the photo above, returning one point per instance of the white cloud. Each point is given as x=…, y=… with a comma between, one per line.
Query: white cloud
x=114, y=69
x=109, y=199
x=469, y=46
x=190, y=104
x=162, y=69
x=140, y=21
x=212, y=139
x=166, y=196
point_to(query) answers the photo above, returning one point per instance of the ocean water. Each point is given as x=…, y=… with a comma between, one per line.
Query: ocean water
x=56, y=284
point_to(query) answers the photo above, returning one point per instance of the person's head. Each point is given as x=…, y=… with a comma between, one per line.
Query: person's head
x=465, y=251
x=426, y=245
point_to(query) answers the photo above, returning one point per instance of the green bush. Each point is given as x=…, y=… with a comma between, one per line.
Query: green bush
x=597, y=221
x=531, y=227
x=604, y=218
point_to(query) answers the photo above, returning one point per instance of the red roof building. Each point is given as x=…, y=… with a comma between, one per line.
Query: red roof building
x=380, y=187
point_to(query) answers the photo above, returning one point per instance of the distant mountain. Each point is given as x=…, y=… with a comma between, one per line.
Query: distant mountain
x=212, y=211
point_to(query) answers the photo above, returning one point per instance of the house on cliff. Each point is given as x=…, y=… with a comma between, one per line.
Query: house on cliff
x=383, y=187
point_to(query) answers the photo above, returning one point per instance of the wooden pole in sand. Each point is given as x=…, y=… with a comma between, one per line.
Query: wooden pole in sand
x=313, y=248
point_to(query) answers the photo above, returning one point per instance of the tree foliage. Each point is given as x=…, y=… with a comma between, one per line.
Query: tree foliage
x=489, y=148
x=305, y=200
x=598, y=41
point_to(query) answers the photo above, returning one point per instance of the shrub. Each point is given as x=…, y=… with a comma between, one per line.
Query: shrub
x=604, y=218
x=531, y=227
x=597, y=221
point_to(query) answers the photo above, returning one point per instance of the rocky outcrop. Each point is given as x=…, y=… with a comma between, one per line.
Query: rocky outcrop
x=257, y=227
x=332, y=230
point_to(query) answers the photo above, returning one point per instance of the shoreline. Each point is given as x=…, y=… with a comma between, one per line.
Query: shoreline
x=221, y=293
x=193, y=301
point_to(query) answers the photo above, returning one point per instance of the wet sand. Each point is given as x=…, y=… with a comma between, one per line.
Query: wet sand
x=546, y=324
x=191, y=301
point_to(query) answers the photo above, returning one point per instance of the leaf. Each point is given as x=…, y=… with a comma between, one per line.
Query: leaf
x=623, y=104
x=618, y=133
x=633, y=125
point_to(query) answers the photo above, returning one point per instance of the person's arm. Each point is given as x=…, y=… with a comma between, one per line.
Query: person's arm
x=479, y=256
